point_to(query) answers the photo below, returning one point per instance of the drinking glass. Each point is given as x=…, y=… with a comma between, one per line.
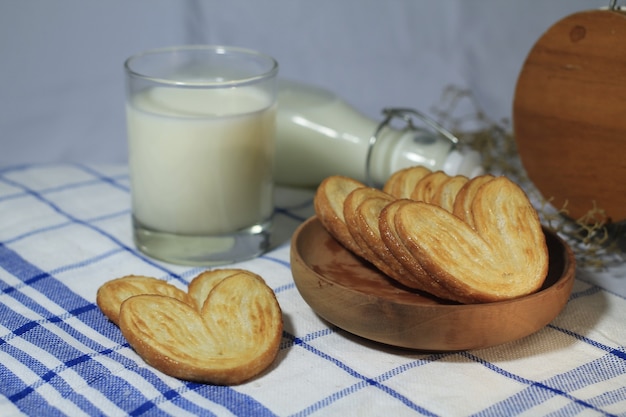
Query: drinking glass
x=200, y=124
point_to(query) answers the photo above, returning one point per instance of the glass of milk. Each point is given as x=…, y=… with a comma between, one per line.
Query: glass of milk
x=201, y=122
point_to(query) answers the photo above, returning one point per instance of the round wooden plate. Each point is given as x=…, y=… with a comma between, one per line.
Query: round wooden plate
x=569, y=113
x=354, y=296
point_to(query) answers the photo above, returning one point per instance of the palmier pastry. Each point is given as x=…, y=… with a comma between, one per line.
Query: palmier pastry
x=355, y=222
x=328, y=203
x=446, y=194
x=462, y=206
x=466, y=240
x=112, y=294
x=426, y=188
x=418, y=277
x=402, y=183
x=226, y=330
x=504, y=256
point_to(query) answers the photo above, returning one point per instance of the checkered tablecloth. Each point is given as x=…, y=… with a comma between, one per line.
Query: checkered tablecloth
x=65, y=230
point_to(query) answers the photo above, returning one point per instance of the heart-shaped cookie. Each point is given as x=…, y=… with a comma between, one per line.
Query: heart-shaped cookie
x=462, y=206
x=329, y=201
x=112, y=294
x=504, y=256
x=225, y=331
x=426, y=188
x=366, y=218
x=350, y=207
x=458, y=239
x=417, y=277
x=402, y=183
x=446, y=194
x=200, y=287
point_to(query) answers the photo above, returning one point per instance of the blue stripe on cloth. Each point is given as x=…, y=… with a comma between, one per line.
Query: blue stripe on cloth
x=37, y=231
x=618, y=353
x=609, y=398
x=289, y=213
x=113, y=239
x=104, y=364
x=593, y=289
x=237, y=403
x=93, y=177
x=60, y=342
x=29, y=397
x=277, y=260
x=285, y=287
x=71, y=355
x=364, y=381
x=113, y=181
x=609, y=366
x=86, y=262
x=13, y=168
x=540, y=391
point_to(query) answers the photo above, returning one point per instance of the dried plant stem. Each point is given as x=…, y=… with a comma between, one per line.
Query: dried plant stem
x=595, y=242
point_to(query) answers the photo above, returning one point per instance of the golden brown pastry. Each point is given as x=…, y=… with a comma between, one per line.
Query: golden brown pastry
x=465, y=240
x=350, y=206
x=367, y=222
x=446, y=194
x=504, y=257
x=426, y=188
x=463, y=201
x=227, y=338
x=112, y=294
x=200, y=287
x=402, y=183
x=352, y=203
x=504, y=216
x=418, y=277
x=328, y=203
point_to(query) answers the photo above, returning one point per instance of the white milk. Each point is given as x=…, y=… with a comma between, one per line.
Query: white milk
x=201, y=159
x=319, y=135
x=316, y=133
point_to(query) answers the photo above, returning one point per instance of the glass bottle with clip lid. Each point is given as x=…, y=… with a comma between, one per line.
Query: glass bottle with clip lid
x=318, y=135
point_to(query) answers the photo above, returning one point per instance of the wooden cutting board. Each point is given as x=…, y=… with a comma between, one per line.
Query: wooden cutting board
x=569, y=113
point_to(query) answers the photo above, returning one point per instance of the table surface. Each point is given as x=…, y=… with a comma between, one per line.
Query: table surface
x=65, y=230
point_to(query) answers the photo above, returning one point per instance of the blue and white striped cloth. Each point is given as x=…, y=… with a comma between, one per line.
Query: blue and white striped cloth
x=65, y=230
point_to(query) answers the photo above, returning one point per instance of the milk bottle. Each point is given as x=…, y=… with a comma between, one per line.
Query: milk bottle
x=319, y=135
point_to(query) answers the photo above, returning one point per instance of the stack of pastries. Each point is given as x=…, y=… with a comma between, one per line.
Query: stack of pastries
x=465, y=240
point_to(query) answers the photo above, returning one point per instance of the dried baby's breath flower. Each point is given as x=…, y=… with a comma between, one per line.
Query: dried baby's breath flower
x=593, y=239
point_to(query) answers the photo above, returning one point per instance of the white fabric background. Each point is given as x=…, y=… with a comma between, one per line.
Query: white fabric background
x=61, y=94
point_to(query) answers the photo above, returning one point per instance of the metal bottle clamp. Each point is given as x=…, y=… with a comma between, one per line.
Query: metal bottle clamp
x=407, y=116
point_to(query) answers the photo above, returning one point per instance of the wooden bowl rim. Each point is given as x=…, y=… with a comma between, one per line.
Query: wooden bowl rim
x=569, y=268
x=451, y=317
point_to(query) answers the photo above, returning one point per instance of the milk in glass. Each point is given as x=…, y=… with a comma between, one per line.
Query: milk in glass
x=201, y=159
